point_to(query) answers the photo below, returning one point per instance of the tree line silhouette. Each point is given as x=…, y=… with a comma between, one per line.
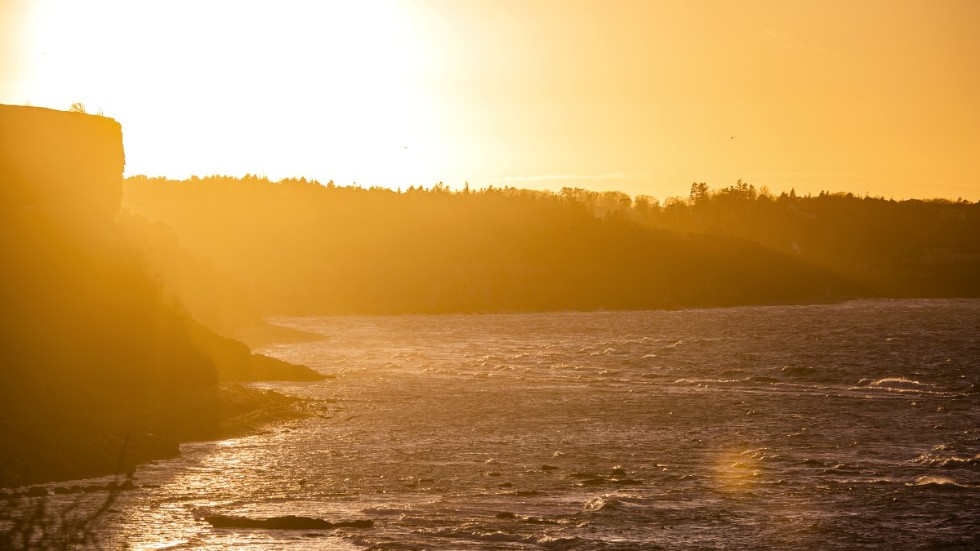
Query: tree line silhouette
x=298, y=247
x=910, y=248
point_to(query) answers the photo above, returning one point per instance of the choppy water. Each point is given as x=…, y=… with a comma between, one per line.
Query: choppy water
x=843, y=426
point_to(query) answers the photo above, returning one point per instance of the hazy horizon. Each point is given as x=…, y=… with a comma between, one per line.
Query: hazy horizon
x=642, y=97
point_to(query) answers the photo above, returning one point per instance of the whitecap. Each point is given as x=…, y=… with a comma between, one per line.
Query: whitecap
x=937, y=481
x=948, y=461
x=899, y=384
x=613, y=502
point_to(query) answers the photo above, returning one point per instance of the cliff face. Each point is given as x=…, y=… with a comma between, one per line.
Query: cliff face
x=67, y=165
x=87, y=341
x=92, y=353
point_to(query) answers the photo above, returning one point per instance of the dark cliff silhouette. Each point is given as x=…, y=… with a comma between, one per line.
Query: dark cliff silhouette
x=92, y=352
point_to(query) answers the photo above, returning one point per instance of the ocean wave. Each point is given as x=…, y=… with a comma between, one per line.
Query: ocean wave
x=287, y=522
x=383, y=510
x=796, y=370
x=941, y=482
x=546, y=541
x=613, y=502
x=900, y=384
x=531, y=520
x=764, y=454
x=948, y=461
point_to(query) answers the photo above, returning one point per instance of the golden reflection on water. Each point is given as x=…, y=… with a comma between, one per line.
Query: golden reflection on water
x=736, y=470
x=413, y=452
x=219, y=473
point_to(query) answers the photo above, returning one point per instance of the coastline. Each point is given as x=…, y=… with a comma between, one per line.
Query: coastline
x=96, y=444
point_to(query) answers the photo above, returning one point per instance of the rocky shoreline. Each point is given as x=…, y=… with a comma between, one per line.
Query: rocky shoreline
x=96, y=445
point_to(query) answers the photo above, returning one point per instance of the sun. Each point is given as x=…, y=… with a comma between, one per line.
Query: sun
x=280, y=89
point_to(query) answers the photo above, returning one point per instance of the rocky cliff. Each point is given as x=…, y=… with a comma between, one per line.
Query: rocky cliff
x=92, y=352
x=67, y=165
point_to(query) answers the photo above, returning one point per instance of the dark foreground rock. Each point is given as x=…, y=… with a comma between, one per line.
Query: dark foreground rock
x=235, y=362
x=107, y=442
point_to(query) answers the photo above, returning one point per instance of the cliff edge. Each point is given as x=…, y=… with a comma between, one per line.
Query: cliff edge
x=92, y=352
x=68, y=165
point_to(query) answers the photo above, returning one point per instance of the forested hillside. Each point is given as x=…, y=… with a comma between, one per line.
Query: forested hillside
x=299, y=247
x=920, y=248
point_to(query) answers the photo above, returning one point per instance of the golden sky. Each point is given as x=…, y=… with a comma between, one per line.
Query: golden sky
x=877, y=96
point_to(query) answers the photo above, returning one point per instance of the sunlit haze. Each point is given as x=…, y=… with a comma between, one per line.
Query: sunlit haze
x=874, y=97
x=489, y=274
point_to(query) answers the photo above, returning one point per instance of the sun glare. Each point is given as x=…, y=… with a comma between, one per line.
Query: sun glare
x=540, y=94
x=467, y=274
x=309, y=88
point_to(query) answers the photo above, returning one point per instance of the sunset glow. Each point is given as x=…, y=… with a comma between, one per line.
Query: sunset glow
x=489, y=274
x=642, y=97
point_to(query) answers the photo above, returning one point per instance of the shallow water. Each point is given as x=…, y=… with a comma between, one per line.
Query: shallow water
x=842, y=426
